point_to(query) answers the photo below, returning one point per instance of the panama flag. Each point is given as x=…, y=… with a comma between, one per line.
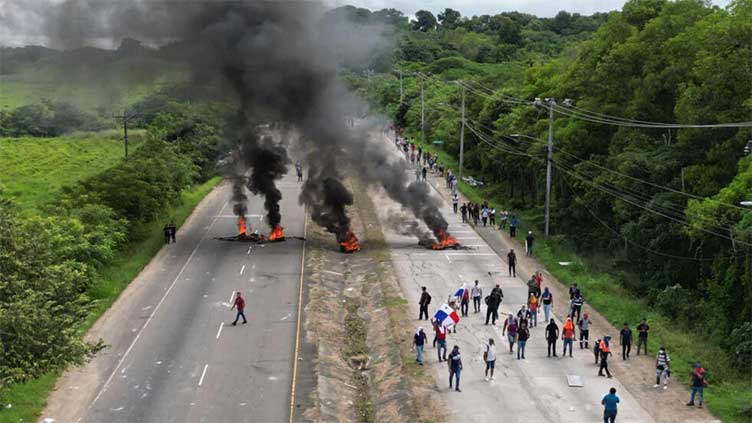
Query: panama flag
x=446, y=316
x=460, y=292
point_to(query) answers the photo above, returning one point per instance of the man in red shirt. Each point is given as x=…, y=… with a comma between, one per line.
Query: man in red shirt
x=239, y=304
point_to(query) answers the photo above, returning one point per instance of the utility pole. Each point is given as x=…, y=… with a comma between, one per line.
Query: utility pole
x=549, y=159
x=462, y=133
x=402, y=95
x=422, y=111
x=125, y=117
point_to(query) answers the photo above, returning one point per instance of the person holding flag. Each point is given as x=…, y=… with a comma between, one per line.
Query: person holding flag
x=446, y=316
x=463, y=295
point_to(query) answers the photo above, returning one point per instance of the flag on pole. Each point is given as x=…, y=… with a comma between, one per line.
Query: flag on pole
x=446, y=316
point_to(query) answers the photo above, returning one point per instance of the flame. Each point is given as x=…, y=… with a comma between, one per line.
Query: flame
x=241, y=227
x=445, y=240
x=349, y=243
x=276, y=234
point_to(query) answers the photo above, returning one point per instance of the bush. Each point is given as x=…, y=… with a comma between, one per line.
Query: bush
x=47, y=119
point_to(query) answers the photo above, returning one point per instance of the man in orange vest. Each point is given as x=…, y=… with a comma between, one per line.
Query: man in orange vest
x=605, y=352
x=567, y=335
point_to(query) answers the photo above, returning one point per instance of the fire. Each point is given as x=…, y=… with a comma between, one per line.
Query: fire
x=276, y=234
x=349, y=243
x=445, y=240
x=241, y=227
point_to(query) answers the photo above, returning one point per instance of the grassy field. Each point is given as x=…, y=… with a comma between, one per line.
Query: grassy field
x=32, y=170
x=28, y=399
x=729, y=395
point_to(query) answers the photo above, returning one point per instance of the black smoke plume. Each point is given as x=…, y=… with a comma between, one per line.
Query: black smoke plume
x=268, y=163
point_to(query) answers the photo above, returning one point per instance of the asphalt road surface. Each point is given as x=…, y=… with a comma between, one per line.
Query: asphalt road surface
x=174, y=356
x=530, y=390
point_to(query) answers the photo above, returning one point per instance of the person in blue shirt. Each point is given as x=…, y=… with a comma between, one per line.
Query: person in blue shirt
x=609, y=402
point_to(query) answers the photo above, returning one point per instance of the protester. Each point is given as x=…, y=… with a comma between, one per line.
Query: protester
x=455, y=367
x=609, y=402
x=573, y=290
x=239, y=305
x=605, y=352
x=167, y=233
x=529, y=243
x=532, y=305
x=489, y=356
x=532, y=287
x=441, y=348
x=465, y=301
x=463, y=212
x=503, y=219
x=419, y=340
x=642, y=336
x=522, y=336
x=626, y=341
x=552, y=334
x=567, y=336
x=662, y=370
x=299, y=170
x=524, y=315
x=597, y=349
x=477, y=293
x=173, y=231
x=492, y=304
x=547, y=298
x=584, y=326
x=454, y=185
x=476, y=214
x=513, y=226
x=697, y=385
x=423, y=172
x=425, y=300
x=484, y=215
x=576, y=306
x=510, y=329
x=512, y=261
x=492, y=217
x=455, y=201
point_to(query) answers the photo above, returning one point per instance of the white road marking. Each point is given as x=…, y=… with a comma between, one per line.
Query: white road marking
x=242, y=269
x=231, y=295
x=249, y=250
x=221, y=325
x=333, y=273
x=201, y=380
x=151, y=316
x=447, y=257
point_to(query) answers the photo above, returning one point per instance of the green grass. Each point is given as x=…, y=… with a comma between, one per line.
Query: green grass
x=729, y=395
x=32, y=170
x=28, y=399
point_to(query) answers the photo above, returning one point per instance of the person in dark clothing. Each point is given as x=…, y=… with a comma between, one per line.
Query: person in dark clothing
x=173, y=231
x=529, y=243
x=605, y=352
x=552, y=334
x=465, y=302
x=513, y=226
x=455, y=367
x=239, y=304
x=573, y=290
x=463, y=211
x=425, y=300
x=610, y=402
x=419, y=341
x=423, y=172
x=577, y=303
x=512, y=261
x=642, y=336
x=597, y=349
x=523, y=334
x=626, y=341
x=698, y=384
x=167, y=233
x=492, y=304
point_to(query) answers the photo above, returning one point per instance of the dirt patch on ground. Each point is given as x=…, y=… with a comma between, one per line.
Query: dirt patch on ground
x=364, y=369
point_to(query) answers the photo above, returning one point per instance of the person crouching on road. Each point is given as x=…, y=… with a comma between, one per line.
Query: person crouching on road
x=419, y=341
x=239, y=304
x=455, y=367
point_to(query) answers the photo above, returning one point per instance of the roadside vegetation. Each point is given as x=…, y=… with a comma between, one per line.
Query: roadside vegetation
x=651, y=216
x=68, y=249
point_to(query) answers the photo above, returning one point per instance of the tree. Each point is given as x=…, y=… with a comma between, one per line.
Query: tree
x=424, y=21
x=449, y=18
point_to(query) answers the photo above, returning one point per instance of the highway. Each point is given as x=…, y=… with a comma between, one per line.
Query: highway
x=174, y=355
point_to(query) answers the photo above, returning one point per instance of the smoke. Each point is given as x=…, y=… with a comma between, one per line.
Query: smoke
x=405, y=225
x=274, y=62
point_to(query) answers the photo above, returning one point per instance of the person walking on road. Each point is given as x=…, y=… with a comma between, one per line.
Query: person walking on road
x=642, y=336
x=423, y=172
x=512, y=261
x=455, y=201
x=419, y=341
x=425, y=300
x=503, y=220
x=529, y=243
x=532, y=305
x=523, y=334
x=492, y=217
x=697, y=385
x=605, y=352
x=441, y=346
x=489, y=356
x=626, y=341
x=548, y=301
x=662, y=362
x=576, y=306
x=239, y=305
x=597, y=350
x=463, y=212
x=584, y=326
x=524, y=315
x=567, y=336
x=573, y=290
x=552, y=334
x=492, y=304
x=513, y=226
x=173, y=231
x=455, y=367
x=465, y=301
x=484, y=215
x=609, y=402
x=510, y=330
x=167, y=233
x=477, y=293
x=299, y=170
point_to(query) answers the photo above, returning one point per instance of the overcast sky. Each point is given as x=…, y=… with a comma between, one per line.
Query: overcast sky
x=543, y=8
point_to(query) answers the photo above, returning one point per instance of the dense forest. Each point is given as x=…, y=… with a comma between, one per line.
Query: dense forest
x=630, y=178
